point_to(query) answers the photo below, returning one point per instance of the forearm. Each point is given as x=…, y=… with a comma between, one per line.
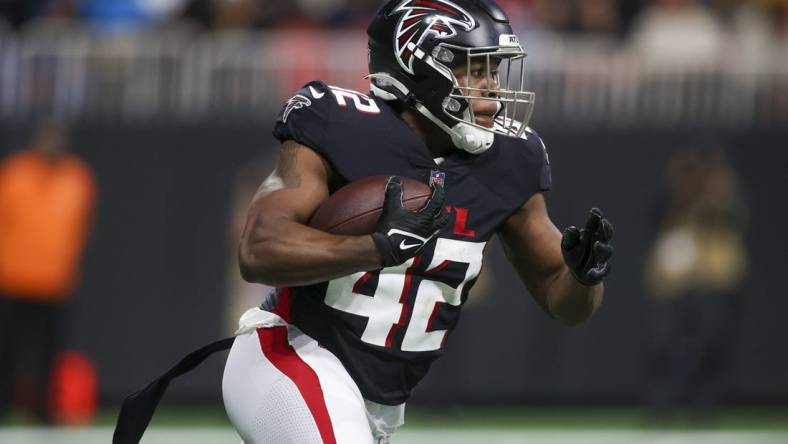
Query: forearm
x=286, y=253
x=537, y=250
x=568, y=300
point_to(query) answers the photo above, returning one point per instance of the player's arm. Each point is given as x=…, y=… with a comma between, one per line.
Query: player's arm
x=564, y=274
x=277, y=247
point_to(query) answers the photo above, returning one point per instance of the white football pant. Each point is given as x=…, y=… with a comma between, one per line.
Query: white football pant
x=281, y=387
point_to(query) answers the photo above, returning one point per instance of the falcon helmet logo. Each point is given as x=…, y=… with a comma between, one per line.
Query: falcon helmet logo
x=296, y=102
x=422, y=18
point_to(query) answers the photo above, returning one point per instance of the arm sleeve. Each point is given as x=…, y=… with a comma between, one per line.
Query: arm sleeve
x=305, y=118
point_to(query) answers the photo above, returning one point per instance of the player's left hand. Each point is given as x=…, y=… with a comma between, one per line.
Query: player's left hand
x=587, y=250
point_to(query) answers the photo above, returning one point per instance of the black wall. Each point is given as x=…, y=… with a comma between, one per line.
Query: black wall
x=155, y=269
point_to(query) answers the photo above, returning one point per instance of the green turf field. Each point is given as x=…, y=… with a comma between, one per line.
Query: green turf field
x=459, y=426
x=416, y=436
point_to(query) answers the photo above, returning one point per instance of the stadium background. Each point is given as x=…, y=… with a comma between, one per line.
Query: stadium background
x=171, y=104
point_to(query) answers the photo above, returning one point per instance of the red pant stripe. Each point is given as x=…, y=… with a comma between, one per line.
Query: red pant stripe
x=278, y=350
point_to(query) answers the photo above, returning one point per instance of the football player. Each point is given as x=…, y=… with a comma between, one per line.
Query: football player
x=356, y=321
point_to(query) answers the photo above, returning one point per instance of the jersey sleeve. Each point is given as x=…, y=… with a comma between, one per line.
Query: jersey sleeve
x=305, y=118
x=537, y=150
x=521, y=170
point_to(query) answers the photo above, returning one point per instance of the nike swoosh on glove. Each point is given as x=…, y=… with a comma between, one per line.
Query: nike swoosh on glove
x=401, y=234
x=587, y=251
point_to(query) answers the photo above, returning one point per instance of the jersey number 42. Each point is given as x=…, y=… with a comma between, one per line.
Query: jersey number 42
x=386, y=297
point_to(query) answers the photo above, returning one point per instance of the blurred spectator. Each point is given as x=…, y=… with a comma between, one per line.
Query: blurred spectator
x=677, y=33
x=751, y=38
x=575, y=16
x=60, y=9
x=46, y=205
x=232, y=14
x=555, y=15
x=236, y=14
x=18, y=12
x=694, y=275
x=322, y=10
x=780, y=9
x=598, y=16
x=118, y=16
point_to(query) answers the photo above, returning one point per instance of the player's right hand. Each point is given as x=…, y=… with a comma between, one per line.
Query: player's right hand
x=401, y=234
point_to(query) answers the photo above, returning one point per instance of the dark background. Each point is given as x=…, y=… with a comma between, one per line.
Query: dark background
x=155, y=271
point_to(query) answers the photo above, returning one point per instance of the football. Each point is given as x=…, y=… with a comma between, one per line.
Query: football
x=354, y=209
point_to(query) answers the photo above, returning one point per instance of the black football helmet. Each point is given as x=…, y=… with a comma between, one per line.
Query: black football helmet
x=414, y=46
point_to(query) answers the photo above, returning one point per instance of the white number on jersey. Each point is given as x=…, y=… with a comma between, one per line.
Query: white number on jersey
x=387, y=308
x=362, y=102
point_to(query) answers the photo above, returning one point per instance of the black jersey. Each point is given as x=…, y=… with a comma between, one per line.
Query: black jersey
x=388, y=326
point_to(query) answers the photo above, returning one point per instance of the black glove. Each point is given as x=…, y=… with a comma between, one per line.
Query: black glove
x=587, y=251
x=400, y=233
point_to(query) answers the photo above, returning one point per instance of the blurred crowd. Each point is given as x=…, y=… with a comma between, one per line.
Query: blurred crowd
x=617, y=18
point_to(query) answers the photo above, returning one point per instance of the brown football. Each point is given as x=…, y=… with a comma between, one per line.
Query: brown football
x=355, y=208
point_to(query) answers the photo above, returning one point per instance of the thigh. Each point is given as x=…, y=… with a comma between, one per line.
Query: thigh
x=280, y=387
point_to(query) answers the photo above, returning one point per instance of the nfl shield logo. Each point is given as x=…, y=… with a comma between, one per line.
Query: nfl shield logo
x=437, y=178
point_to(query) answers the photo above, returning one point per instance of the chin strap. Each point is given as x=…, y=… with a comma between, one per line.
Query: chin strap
x=463, y=136
x=470, y=139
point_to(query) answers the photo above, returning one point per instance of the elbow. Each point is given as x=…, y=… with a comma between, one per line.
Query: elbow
x=248, y=272
x=267, y=263
x=255, y=266
x=265, y=253
x=246, y=264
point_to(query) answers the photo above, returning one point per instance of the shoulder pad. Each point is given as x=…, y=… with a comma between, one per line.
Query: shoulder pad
x=305, y=116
